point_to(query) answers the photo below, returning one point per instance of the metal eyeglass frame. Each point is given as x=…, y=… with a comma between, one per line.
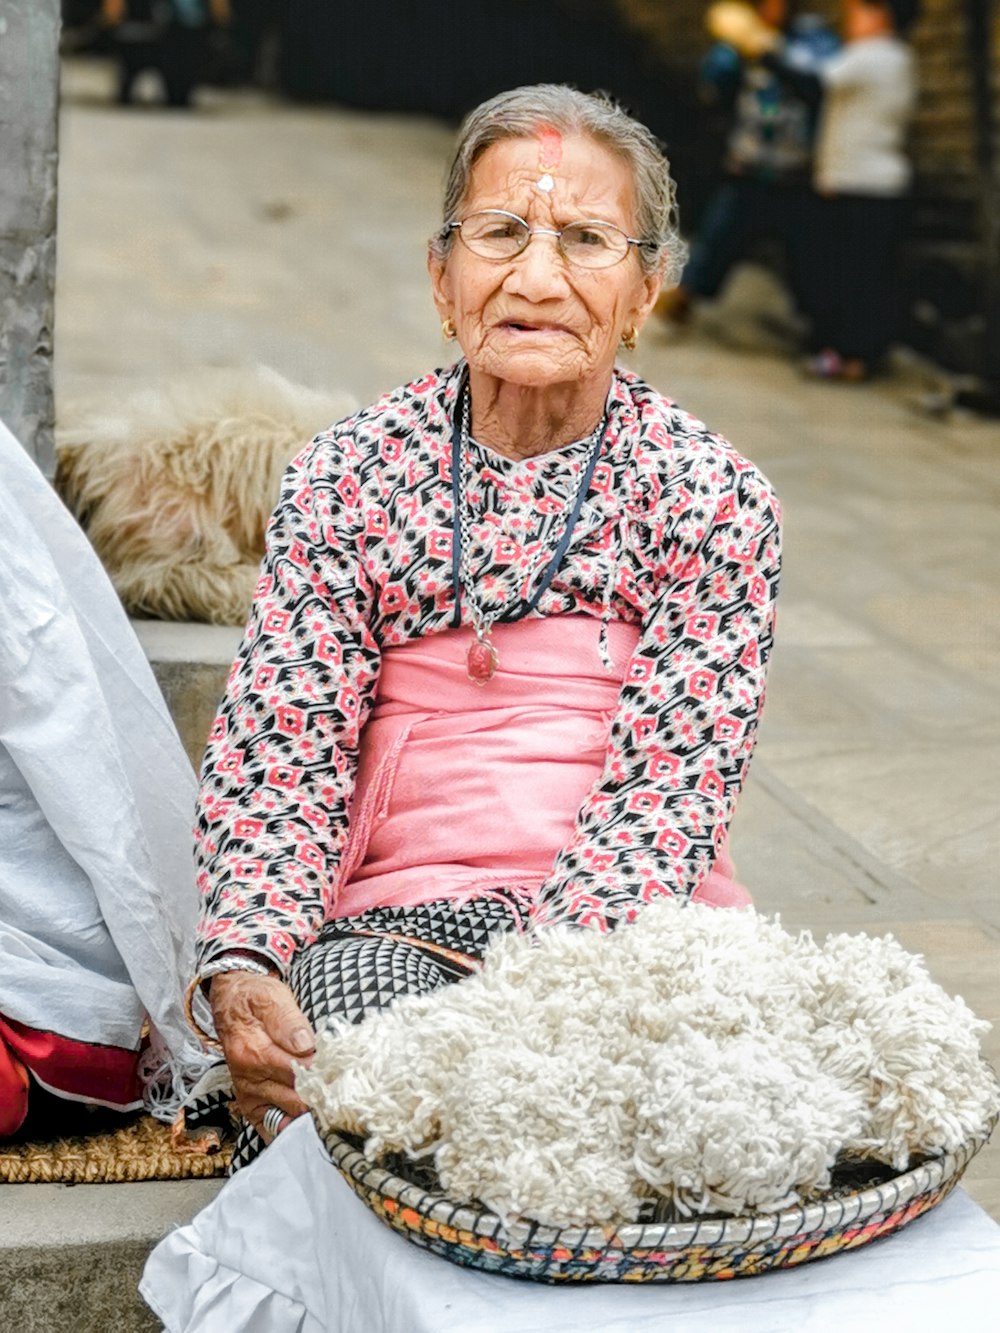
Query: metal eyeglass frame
x=530, y=232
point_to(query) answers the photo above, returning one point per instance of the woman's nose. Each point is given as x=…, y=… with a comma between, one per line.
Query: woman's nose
x=539, y=271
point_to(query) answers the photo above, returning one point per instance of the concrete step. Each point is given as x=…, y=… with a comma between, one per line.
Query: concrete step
x=71, y=1255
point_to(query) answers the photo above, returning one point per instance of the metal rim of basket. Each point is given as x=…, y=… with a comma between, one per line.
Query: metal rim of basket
x=843, y=1211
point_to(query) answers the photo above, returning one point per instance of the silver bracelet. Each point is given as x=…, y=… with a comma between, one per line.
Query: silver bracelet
x=234, y=962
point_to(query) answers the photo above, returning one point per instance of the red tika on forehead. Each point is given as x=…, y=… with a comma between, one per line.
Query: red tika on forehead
x=549, y=148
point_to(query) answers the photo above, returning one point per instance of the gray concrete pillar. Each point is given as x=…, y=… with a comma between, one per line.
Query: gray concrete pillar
x=29, y=97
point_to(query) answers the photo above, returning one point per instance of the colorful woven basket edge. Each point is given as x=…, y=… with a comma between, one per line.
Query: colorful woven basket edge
x=692, y=1251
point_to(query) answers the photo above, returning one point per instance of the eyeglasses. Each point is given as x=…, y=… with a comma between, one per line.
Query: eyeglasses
x=498, y=235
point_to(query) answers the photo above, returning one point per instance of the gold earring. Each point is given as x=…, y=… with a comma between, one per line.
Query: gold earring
x=630, y=337
x=448, y=329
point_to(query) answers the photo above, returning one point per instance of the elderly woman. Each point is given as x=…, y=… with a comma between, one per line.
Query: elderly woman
x=507, y=652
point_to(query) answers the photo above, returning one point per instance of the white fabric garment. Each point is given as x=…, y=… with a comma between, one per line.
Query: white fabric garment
x=97, y=895
x=286, y=1247
x=869, y=92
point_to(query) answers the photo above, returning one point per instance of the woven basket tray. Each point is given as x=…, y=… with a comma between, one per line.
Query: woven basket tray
x=657, y=1251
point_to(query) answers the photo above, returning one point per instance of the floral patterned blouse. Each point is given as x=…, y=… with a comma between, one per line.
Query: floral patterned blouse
x=678, y=535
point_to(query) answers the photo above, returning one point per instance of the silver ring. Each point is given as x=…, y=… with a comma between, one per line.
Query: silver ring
x=272, y=1120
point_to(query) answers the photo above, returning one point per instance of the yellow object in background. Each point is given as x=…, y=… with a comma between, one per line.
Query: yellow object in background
x=741, y=27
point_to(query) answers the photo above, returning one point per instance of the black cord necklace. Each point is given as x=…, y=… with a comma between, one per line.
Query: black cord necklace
x=482, y=659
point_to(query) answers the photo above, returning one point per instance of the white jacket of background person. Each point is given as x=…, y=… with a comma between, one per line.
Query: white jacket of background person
x=869, y=92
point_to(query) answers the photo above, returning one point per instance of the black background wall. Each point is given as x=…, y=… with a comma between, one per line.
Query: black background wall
x=445, y=57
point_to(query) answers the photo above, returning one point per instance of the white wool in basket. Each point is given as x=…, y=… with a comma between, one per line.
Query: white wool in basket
x=706, y=1058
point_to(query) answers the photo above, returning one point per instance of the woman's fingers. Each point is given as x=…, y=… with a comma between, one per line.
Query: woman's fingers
x=259, y=1012
x=288, y=1026
x=262, y=1030
x=255, y=1098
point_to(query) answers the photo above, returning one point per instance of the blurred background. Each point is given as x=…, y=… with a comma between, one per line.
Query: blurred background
x=443, y=58
x=279, y=214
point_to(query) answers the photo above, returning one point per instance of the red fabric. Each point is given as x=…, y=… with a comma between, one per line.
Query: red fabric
x=81, y=1070
x=13, y=1092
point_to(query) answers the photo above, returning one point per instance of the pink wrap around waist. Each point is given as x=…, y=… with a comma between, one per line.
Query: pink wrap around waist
x=462, y=787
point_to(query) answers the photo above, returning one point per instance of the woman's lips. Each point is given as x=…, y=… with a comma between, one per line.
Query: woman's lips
x=528, y=326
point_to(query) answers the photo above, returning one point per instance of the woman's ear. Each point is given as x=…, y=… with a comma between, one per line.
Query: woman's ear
x=650, y=290
x=440, y=285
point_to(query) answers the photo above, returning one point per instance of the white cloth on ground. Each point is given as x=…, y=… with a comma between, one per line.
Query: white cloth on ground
x=286, y=1247
x=97, y=894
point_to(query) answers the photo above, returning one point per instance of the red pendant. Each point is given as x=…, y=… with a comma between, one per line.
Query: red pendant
x=482, y=661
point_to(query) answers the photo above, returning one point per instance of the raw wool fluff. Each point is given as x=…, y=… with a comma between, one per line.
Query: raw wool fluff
x=704, y=1058
x=174, y=485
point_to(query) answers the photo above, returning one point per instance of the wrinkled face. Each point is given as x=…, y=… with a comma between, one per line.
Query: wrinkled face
x=536, y=320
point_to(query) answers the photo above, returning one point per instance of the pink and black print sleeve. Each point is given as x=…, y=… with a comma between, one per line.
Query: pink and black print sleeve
x=279, y=769
x=688, y=712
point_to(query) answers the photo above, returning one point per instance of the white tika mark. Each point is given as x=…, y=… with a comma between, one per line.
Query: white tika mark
x=546, y=183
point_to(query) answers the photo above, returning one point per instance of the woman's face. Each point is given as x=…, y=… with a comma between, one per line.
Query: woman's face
x=536, y=320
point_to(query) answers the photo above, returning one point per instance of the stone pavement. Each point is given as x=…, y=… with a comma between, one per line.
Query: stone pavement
x=254, y=232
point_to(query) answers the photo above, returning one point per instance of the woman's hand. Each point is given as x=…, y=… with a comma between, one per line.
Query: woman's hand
x=262, y=1030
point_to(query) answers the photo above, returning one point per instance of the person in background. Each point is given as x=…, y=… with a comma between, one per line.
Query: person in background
x=866, y=95
x=168, y=36
x=768, y=158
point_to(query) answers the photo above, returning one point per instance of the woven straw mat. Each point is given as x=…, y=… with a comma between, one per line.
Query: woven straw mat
x=139, y=1150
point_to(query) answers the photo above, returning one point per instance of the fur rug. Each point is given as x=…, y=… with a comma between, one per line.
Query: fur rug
x=174, y=484
x=705, y=1059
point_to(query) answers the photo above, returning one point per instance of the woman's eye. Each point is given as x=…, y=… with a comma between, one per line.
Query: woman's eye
x=493, y=231
x=591, y=237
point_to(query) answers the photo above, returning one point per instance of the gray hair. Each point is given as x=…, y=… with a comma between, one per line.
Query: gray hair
x=520, y=113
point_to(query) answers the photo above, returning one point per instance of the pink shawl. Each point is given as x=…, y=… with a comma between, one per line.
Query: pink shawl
x=463, y=788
